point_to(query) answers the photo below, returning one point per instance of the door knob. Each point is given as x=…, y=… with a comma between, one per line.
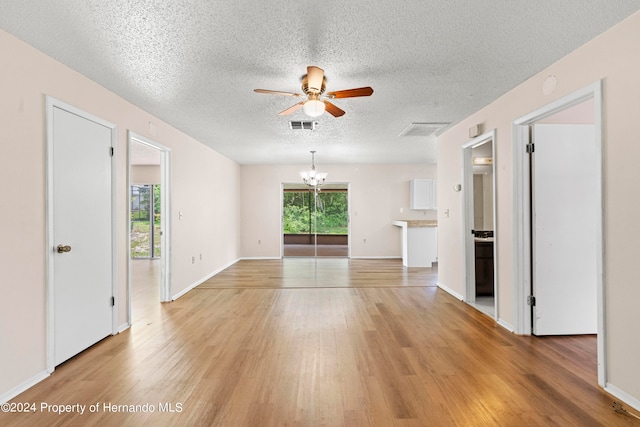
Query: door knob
x=62, y=249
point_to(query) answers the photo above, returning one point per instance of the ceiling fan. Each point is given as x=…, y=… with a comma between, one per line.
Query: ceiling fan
x=313, y=85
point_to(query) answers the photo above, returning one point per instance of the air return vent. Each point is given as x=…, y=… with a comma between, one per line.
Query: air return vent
x=422, y=129
x=303, y=125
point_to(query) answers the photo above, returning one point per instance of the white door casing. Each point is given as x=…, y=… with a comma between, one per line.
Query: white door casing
x=468, y=217
x=80, y=214
x=564, y=229
x=521, y=265
x=165, y=218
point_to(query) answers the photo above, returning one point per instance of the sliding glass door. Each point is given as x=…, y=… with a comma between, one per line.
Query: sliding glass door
x=145, y=221
x=315, y=223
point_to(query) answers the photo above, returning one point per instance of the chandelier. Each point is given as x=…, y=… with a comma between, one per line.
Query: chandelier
x=312, y=178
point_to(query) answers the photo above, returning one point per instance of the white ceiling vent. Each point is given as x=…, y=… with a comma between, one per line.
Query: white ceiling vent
x=303, y=125
x=422, y=129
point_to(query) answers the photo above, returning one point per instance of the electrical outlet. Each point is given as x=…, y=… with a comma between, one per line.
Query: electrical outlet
x=200, y=257
x=193, y=260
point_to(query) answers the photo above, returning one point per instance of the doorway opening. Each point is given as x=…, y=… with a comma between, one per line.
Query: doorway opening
x=578, y=172
x=149, y=227
x=479, y=221
x=315, y=223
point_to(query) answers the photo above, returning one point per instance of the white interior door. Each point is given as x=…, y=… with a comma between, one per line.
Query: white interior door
x=80, y=152
x=564, y=207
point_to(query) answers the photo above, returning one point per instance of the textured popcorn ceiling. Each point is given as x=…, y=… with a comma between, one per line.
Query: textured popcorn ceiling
x=195, y=63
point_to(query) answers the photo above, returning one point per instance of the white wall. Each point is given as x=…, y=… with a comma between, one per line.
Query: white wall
x=205, y=188
x=377, y=193
x=613, y=56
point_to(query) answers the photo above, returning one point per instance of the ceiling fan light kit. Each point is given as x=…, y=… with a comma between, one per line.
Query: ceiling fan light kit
x=313, y=108
x=313, y=85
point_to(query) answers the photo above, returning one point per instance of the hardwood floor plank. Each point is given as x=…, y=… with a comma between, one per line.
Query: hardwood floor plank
x=335, y=343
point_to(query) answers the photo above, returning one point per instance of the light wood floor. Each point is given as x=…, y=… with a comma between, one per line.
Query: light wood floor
x=328, y=343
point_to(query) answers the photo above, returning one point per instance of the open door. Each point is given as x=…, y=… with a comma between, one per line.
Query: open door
x=584, y=106
x=564, y=228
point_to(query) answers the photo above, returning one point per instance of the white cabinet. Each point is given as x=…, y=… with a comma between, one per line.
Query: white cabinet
x=422, y=194
x=419, y=243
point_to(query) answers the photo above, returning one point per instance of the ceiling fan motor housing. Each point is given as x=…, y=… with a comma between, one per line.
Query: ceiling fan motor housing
x=312, y=90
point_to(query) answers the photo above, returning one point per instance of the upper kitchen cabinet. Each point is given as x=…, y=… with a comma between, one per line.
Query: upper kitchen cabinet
x=422, y=194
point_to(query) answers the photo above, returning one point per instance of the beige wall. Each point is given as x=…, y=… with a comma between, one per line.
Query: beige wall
x=377, y=193
x=613, y=57
x=205, y=188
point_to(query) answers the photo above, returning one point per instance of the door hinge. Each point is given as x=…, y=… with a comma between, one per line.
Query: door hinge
x=112, y=151
x=530, y=148
x=531, y=300
x=113, y=301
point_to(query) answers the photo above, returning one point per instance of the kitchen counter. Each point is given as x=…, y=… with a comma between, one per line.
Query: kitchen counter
x=483, y=239
x=420, y=223
x=419, y=242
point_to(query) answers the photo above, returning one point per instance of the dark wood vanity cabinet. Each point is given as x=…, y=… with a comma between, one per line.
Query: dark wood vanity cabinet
x=484, y=268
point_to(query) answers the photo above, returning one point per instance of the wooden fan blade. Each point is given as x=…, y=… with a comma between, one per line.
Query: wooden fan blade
x=292, y=109
x=276, y=92
x=333, y=110
x=315, y=76
x=351, y=93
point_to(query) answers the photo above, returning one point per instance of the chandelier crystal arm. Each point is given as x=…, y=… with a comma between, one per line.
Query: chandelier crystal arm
x=312, y=178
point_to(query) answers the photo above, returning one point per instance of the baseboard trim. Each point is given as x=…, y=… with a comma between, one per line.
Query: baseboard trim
x=505, y=325
x=124, y=327
x=252, y=258
x=201, y=281
x=625, y=397
x=10, y=394
x=450, y=291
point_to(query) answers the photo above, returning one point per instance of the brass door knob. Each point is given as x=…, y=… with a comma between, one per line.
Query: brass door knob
x=62, y=249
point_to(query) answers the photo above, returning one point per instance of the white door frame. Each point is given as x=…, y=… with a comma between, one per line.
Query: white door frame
x=165, y=217
x=468, y=214
x=522, y=220
x=51, y=104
